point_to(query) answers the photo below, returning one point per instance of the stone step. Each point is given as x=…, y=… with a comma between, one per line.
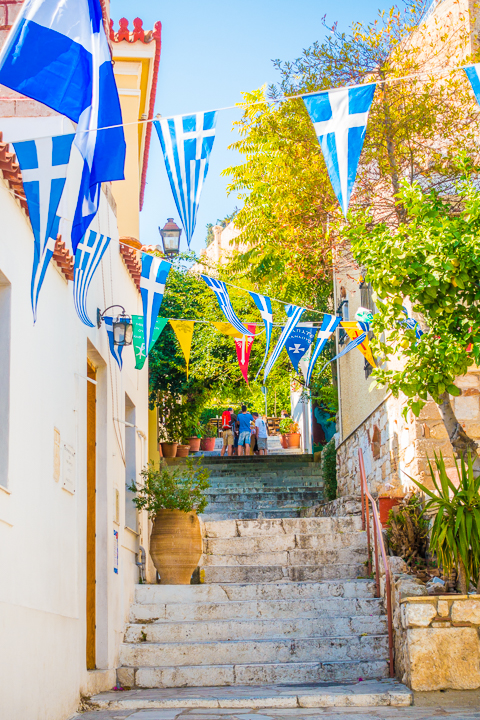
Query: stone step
x=279, y=573
x=315, y=607
x=251, y=514
x=279, y=543
x=279, y=650
x=259, y=473
x=288, y=526
x=368, y=693
x=288, y=558
x=248, y=492
x=258, y=673
x=254, y=629
x=251, y=461
x=173, y=595
x=224, y=505
x=240, y=482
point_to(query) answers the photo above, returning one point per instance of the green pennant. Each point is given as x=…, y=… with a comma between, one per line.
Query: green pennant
x=138, y=339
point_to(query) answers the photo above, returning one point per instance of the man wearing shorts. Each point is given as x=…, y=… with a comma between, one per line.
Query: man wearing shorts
x=261, y=431
x=244, y=419
x=227, y=433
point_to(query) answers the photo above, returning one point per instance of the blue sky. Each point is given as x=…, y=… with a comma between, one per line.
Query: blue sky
x=212, y=50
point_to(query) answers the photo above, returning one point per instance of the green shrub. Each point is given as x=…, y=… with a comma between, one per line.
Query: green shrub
x=180, y=488
x=329, y=470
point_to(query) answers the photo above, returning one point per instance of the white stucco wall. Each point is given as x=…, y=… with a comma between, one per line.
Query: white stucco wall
x=42, y=525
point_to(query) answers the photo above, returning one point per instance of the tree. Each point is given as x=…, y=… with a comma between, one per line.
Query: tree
x=431, y=261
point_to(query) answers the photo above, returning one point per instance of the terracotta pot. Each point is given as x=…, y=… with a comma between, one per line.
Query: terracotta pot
x=176, y=545
x=208, y=444
x=284, y=441
x=385, y=504
x=169, y=450
x=194, y=444
x=294, y=440
x=182, y=450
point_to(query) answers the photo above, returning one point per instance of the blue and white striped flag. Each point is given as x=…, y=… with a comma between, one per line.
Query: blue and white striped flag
x=57, y=53
x=116, y=350
x=340, y=120
x=220, y=290
x=327, y=328
x=294, y=314
x=43, y=163
x=152, y=287
x=187, y=142
x=89, y=253
x=264, y=304
x=351, y=346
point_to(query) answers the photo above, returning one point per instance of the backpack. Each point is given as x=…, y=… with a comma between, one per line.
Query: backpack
x=226, y=420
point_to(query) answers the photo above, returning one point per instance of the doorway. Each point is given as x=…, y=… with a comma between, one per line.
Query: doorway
x=91, y=516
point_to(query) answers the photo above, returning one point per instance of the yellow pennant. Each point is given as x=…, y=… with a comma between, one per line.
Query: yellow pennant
x=353, y=330
x=227, y=329
x=183, y=329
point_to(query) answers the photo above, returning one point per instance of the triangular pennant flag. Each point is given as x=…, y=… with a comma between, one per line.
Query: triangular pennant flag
x=227, y=329
x=340, y=120
x=44, y=164
x=351, y=345
x=152, y=286
x=243, y=347
x=116, y=350
x=187, y=142
x=473, y=74
x=87, y=257
x=294, y=314
x=183, y=329
x=327, y=328
x=299, y=342
x=139, y=339
x=220, y=290
x=264, y=304
x=354, y=330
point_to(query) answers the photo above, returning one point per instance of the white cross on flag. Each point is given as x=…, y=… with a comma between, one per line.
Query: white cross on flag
x=87, y=258
x=152, y=286
x=340, y=120
x=44, y=164
x=187, y=142
x=328, y=327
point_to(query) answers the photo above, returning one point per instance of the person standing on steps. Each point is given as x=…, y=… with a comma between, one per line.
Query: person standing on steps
x=261, y=431
x=244, y=419
x=227, y=434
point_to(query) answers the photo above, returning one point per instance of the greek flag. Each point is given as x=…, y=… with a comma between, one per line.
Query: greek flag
x=327, y=328
x=340, y=120
x=116, y=350
x=220, y=290
x=57, y=53
x=351, y=345
x=152, y=287
x=299, y=342
x=44, y=165
x=264, y=304
x=87, y=257
x=411, y=324
x=294, y=314
x=473, y=74
x=187, y=142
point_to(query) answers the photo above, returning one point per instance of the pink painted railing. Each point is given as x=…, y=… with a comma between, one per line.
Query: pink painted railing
x=368, y=500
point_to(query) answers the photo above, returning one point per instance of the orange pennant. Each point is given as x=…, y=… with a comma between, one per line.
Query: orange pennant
x=353, y=330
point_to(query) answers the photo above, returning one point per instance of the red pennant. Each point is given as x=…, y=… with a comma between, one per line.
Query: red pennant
x=243, y=346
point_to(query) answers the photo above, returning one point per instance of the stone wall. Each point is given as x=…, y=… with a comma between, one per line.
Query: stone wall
x=395, y=448
x=341, y=507
x=440, y=642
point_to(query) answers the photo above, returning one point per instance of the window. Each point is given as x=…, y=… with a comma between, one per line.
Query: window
x=130, y=464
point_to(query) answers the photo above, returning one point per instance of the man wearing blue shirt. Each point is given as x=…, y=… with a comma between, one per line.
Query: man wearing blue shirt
x=244, y=419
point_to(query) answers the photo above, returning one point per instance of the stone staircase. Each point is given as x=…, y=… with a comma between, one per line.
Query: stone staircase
x=273, y=486
x=283, y=601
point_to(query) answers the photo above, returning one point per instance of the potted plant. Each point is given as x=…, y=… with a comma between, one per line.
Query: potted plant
x=290, y=433
x=171, y=430
x=169, y=446
x=284, y=428
x=192, y=435
x=172, y=497
x=209, y=434
x=455, y=535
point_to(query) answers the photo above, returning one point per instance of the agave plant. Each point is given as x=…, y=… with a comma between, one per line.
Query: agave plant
x=456, y=529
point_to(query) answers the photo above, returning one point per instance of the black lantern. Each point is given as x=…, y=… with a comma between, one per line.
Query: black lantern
x=122, y=326
x=170, y=238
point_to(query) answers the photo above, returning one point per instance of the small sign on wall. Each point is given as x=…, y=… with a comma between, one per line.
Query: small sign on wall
x=56, y=454
x=68, y=468
x=115, y=551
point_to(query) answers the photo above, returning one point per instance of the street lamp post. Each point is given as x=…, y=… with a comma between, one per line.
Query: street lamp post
x=170, y=238
x=122, y=326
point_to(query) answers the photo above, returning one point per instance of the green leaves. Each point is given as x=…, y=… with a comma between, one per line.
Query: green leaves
x=456, y=528
x=167, y=488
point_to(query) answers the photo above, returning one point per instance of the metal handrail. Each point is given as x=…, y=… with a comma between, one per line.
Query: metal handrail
x=367, y=499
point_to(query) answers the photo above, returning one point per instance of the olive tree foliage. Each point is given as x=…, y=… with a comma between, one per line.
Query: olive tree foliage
x=431, y=264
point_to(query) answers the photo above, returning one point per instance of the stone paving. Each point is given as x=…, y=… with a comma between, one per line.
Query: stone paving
x=448, y=705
